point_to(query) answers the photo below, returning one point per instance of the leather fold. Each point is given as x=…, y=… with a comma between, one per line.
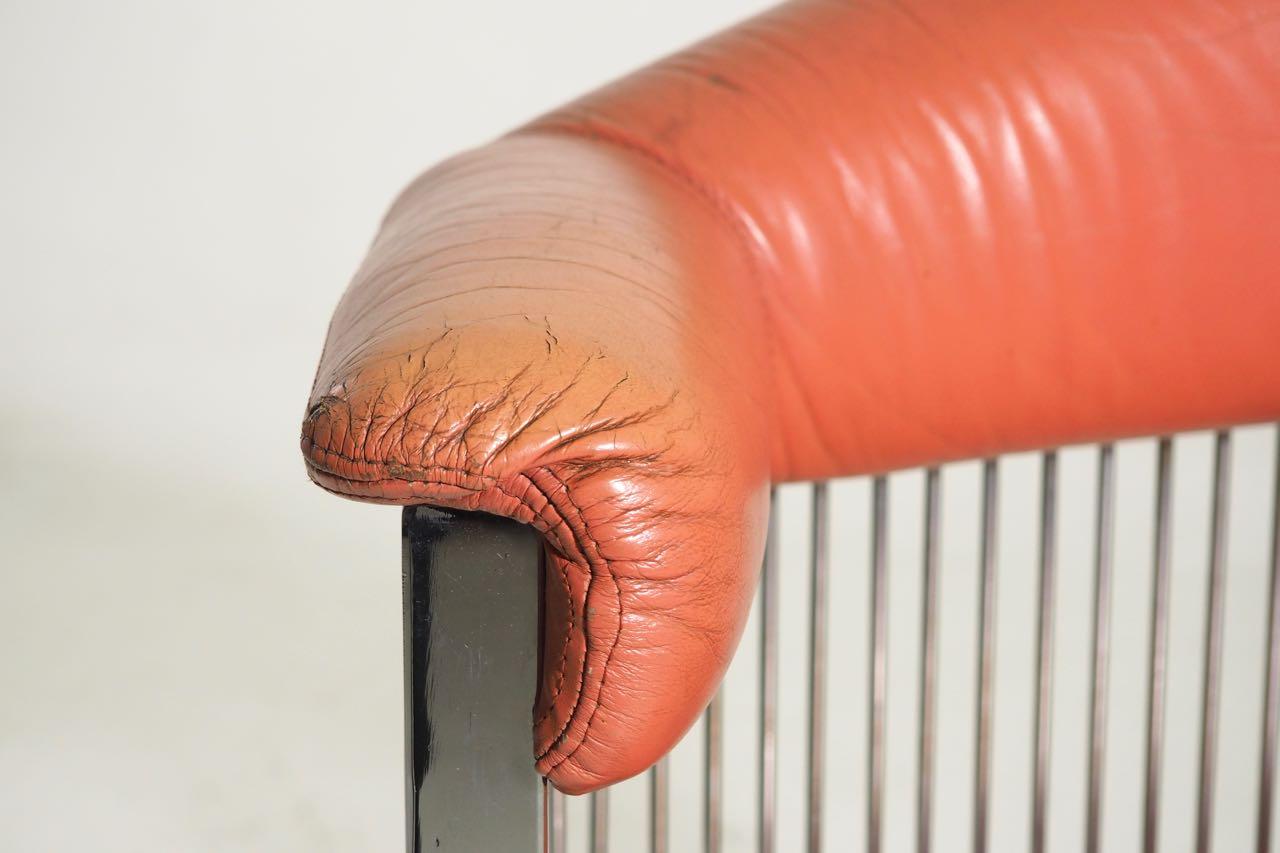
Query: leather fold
x=838, y=238
x=553, y=332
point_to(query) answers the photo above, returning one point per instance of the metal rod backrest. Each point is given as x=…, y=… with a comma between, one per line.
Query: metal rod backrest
x=434, y=540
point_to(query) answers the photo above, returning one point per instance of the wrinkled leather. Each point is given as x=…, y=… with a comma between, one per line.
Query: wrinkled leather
x=837, y=238
x=539, y=332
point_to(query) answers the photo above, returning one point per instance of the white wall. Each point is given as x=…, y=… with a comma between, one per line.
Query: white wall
x=200, y=651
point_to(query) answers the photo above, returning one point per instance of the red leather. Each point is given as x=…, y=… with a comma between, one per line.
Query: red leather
x=837, y=238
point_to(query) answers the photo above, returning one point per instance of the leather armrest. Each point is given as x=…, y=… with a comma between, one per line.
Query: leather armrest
x=837, y=238
x=555, y=331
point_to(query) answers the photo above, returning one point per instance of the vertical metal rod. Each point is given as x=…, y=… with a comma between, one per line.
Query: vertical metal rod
x=1271, y=701
x=766, y=811
x=1159, y=649
x=820, y=565
x=1102, y=564
x=929, y=663
x=879, y=662
x=559, y=822
x=1213, y=640
x=986, y=656
x=1043, y=720
x=713, y=777
x=600, y=821
x=659, y=798
x=544, y=816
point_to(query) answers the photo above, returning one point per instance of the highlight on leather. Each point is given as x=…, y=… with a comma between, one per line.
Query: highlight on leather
x=837, y=238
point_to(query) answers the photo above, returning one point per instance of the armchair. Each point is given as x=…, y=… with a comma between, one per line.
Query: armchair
x=836, y=239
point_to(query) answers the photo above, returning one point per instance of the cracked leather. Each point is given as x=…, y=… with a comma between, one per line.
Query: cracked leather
x=838, y=238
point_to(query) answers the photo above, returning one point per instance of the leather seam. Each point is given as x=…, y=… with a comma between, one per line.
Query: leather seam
x=564, y=646
x=496, y=485
x=613, y=644
x=590, y=565
x=586, y=563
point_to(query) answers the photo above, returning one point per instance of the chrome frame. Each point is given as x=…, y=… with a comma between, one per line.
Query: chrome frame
x=471, y=590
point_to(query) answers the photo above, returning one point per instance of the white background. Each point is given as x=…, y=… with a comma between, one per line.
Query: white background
x=200, y=651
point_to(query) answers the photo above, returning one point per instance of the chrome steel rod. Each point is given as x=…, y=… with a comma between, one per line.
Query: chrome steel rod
x=659, y=805
x=1271, y=700
x=767, y=806
x=1159, y=650
x=879, y=662
x=1102, y=567
x=1043, y=720
x=559, y=822
x=986, y=655
x=1213, y=640
x=818, y=592
x=928, y=664
x=600, y=821
x=713, y=777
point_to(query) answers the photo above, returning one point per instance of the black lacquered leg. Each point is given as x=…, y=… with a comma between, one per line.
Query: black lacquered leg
x=471, y=666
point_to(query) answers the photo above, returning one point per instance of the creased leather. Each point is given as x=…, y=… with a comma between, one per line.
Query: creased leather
x=538, y=333
x=835, y=239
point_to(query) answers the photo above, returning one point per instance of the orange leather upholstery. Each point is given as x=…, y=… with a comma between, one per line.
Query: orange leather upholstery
x=837, y=238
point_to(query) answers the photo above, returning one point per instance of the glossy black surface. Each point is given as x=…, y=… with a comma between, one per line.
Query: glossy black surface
x=471, y=585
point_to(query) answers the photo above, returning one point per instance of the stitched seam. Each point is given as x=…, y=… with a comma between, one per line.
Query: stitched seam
x=564, y=648
x=613, y=644
x=496, y=485
x=595, y=547
x=755, y=254
x=573, y=619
